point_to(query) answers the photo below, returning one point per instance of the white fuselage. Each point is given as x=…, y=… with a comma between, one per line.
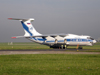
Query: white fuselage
x=69, y=40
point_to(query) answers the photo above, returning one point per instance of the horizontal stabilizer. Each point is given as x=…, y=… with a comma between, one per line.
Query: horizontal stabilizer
x=31, y=19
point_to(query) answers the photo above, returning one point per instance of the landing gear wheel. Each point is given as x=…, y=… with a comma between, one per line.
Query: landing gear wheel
x=54, y=47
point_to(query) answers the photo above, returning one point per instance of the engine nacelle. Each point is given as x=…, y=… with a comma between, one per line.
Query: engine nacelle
x=56, y=41
x=65, y=41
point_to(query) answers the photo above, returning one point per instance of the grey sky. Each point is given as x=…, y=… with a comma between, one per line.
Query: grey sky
x=80, y=17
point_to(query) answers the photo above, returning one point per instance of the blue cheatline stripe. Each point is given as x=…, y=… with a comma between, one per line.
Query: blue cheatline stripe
x=68, y=40
x=60, y=40
x=79, y=40
x=34, y=38
x=26, y=28
x=40, y=39
x=50, y=41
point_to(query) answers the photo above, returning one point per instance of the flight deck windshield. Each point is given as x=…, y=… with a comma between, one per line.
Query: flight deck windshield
x=90, y=38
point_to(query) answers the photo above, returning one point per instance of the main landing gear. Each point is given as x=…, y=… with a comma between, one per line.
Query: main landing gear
x=59, y=47
x=64, y=47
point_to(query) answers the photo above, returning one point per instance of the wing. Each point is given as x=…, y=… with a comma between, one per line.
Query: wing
x=43, y=36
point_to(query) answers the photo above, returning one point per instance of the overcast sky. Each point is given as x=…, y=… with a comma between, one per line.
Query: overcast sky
x=80, y=17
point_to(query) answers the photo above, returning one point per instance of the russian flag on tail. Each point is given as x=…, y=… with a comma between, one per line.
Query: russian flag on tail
x=28, y=23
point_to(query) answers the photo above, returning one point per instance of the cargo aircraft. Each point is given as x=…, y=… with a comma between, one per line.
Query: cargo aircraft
x=53, y=40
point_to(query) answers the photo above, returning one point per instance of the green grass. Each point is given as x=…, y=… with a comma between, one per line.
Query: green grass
x=31, y=45
x=22, y=46
x=50, y=64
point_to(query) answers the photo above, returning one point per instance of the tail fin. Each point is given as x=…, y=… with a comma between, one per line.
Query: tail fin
x=28, y=27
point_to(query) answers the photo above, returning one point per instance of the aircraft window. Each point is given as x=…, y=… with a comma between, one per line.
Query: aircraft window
x=88, y=37
x=82, y=39
x=74, y=39
x=79, y=39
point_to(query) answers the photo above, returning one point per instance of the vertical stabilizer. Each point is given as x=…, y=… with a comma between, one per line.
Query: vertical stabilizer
x=28, y=27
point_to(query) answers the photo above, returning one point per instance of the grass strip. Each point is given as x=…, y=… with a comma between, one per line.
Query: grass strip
x=50, y=64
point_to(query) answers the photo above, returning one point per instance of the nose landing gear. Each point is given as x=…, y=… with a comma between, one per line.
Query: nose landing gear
x=79, y=47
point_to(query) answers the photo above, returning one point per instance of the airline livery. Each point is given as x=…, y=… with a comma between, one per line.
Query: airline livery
x=53, y=40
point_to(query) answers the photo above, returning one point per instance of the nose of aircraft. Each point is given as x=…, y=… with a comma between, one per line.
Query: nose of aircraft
x=94, y=41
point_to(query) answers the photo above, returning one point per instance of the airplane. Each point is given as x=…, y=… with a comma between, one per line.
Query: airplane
x=60, y=41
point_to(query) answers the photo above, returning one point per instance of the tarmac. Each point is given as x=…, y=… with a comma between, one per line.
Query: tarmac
x=46, y=51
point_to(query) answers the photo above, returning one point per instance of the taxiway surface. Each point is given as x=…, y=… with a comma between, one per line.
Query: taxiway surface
x=43, y=51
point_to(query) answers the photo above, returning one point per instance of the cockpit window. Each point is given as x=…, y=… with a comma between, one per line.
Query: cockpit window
x=90, y=38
